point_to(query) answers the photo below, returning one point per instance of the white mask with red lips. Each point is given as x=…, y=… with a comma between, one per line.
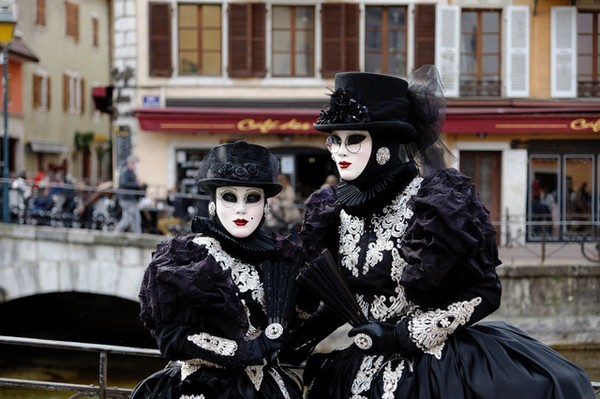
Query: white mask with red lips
x=240, y=209
x=351, y=151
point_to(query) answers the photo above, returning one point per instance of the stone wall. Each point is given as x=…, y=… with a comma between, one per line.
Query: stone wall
x=558, y=304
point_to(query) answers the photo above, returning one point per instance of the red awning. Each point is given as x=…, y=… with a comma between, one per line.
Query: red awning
x=459, y=120
x=228, y=120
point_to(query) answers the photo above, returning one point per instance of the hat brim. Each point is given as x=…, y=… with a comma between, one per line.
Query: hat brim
x=405, y=131
x=271, y=189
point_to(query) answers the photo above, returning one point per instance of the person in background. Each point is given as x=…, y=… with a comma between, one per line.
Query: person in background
x=203, y=295
x=417, y=249
x=131, y=219
x=330, y=180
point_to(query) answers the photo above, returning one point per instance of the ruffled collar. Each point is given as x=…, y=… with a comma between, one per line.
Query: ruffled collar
x=364, y=202
x=258, y=244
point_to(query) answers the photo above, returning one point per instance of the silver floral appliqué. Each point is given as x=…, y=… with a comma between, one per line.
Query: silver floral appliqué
x=382, y=156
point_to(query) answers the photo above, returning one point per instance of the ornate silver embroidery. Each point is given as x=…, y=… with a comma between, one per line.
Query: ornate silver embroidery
x=382, y=156
x=280, y=383
x=388, y=228
x=429, y=330
x=188, y=367
x=390, y=379
x=244, y=275
x=256, y=374
x=364, y=377
x=218, y=345
x=192, y=397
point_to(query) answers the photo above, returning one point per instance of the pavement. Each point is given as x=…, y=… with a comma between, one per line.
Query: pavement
x=563, y=253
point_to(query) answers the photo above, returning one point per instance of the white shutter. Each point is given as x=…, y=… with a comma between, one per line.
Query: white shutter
x=563, y=52
x=447, y=48
x=516, y=38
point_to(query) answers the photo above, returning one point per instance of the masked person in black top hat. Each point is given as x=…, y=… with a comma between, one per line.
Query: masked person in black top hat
x=203, y=295
x=418, y=252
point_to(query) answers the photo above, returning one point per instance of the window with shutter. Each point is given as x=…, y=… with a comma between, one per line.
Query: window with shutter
x=447, y=47
x=41, y=93
x=293, y=48
x=72, y=20
x=424, y=34
x=40, y=12
x=199, y=39
x=517, y=51
x=73, y=89
x=385, y=40
x=480, y=52
x=563, y=51
x=95, y=38
x=159, y=35
x=588, y=53
x=247, y=40
x=340, y=38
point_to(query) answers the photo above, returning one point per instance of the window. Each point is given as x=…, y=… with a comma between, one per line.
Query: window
x=385, y=40
x=95, y=26
x=40, y=12
x=72, y=20
x=199, y=39
x=480, y=53
x=159, y=39
x=41, y=91
x=247, y=49
x=293, y=41
x=339, y=38
x=588, y=54
x=73, y=89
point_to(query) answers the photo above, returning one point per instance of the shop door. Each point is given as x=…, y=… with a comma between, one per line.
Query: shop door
x=484, y=167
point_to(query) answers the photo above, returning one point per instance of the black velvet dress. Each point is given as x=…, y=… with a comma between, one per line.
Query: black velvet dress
x=421, y=252
x=201, y=296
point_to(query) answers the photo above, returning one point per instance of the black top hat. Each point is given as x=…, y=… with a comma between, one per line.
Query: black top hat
x=371, y=102
x=240, y=164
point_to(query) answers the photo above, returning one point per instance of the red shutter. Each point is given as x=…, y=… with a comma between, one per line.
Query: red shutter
x=247, y=40
x=340, y=38
x=160, y=39
x=424, y=34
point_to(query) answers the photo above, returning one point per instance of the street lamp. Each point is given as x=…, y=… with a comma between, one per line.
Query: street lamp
x=7, y=29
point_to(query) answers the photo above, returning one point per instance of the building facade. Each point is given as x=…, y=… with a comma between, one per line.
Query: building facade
x=62, y=129
x=521, y=79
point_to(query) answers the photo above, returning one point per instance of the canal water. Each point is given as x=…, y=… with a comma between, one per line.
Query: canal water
x=126, y=372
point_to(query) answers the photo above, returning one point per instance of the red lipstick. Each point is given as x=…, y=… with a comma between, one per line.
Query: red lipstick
x=240, y=222
x=344, y=164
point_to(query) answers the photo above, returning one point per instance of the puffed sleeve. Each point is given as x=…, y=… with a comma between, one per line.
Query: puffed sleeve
x=451, y=254
x=321, y=221
x=190, y=305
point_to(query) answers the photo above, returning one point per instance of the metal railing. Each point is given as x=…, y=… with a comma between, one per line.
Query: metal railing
x=102, y=390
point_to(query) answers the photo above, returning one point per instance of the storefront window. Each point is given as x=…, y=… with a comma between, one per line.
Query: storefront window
x=561, y=193
x=579, y=178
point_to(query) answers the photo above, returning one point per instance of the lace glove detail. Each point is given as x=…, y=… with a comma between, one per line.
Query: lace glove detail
x=429, y=330
x=241, y=353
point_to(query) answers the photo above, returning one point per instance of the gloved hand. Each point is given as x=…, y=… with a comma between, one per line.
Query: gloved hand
x=258, y=349
x=380, y=336
x=386, y=338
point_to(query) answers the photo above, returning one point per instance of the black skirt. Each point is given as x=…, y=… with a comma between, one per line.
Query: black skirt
x=489, y=360
x=217, y=383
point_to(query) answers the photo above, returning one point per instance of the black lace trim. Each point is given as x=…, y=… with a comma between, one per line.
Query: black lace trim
x=364, y=202
x=259, y=243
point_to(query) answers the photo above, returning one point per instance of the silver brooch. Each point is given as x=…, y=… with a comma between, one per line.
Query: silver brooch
x=382, y=156
x=363, y=341
x=274, y=331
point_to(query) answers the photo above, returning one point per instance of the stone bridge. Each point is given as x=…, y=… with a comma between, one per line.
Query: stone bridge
x=558, y=303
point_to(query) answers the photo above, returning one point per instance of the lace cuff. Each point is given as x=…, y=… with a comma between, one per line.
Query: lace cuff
x=430, y=330
x=218, y=345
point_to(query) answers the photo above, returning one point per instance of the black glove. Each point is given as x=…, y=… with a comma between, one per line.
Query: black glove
x=303, y=340
x=258, y=349
x=384, y=338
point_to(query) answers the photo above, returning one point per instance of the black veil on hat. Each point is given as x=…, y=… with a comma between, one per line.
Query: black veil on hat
x=239, y=164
